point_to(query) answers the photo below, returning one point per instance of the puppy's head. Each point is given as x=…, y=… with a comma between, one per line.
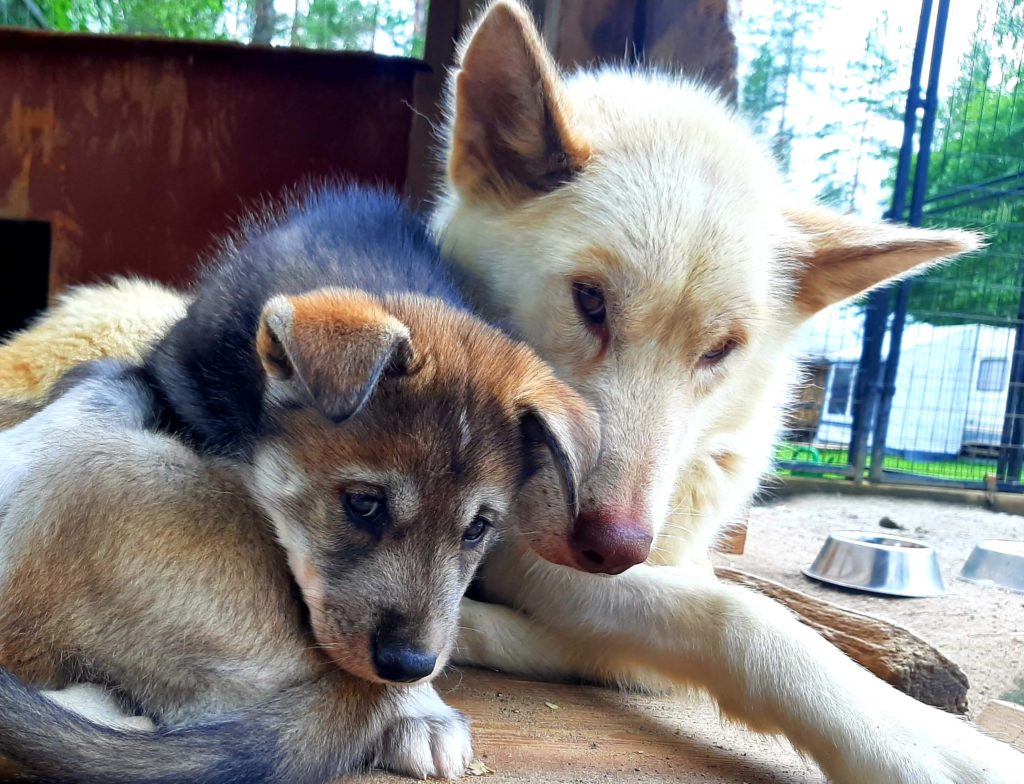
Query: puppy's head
x=398, y=433
x=634, y=231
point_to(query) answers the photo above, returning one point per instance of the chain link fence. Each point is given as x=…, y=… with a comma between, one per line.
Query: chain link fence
x=924, y=382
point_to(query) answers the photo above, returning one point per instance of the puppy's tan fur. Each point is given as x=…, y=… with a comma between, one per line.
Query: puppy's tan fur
x=177, y=590
x=646, y=184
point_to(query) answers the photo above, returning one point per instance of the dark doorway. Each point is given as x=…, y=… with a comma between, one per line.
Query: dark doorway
x=25, y=271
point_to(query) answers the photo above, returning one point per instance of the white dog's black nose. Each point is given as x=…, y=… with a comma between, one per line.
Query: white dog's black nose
x=401, y=663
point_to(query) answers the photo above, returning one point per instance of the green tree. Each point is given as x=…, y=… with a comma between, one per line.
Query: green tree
x=319, y=24
x=785, y=58
x=174, y=18
x=871, y=91
x=976, y=178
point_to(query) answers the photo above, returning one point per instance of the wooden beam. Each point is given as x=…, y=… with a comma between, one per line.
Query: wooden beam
x=895, y=654
x=526, y=732
x=696, y=36
x=692, y=35
x=583, y=32
x=445, y=22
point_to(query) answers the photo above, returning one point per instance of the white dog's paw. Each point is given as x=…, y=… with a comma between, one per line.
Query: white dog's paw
x=978, y=759
x=937, y=749
x=428, y=739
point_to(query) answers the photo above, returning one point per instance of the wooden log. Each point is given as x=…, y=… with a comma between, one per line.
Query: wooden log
x=895, y=654
x=733, y=538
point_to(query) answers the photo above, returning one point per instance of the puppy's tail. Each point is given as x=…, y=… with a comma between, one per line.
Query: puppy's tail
x=290, y=739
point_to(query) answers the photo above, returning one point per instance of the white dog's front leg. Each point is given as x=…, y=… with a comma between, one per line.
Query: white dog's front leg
x=500, y=638
x=762, y=665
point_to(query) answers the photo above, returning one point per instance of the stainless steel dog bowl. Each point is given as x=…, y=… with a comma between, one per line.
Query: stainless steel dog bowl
x=879, y=563
x=996, y=562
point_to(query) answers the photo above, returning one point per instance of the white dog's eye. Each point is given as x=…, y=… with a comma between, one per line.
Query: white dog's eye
x=718, y=353
x=589, y=300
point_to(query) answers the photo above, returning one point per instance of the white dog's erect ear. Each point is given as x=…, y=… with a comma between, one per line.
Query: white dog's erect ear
x=512, y=135
x=329, y=349
x=841, y=256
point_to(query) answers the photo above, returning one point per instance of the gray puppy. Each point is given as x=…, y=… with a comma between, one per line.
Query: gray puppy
x=254, y=537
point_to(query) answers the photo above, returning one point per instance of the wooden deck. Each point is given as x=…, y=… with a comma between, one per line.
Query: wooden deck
x=528, y=733
x=539, y=733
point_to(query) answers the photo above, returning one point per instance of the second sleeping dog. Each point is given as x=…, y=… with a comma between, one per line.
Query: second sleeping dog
x=326, y=390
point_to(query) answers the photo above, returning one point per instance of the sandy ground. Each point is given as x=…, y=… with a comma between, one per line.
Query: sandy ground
x=980, y=628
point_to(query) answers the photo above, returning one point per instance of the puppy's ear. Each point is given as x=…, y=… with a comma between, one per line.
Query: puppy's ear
x=328, y=349
x=556, y=419
x=512, y=136
x=841, y=256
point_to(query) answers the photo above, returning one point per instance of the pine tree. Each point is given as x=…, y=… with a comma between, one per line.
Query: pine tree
x=785, y=59
x=869, y=87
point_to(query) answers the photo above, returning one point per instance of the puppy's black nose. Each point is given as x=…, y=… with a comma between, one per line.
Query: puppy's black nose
x=402, y=664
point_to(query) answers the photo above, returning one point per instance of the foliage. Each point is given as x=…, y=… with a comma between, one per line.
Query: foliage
x=871, y=90
x=348, y=24
x=976, y=178
x=174, y=18
x=318, y=24
x=784, y=60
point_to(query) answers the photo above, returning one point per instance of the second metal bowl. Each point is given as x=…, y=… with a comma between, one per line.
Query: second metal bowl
x=879, y=563
x=996, y=562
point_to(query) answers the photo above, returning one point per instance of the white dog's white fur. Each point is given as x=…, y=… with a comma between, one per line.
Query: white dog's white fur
x=646, y=186
x=676, y=211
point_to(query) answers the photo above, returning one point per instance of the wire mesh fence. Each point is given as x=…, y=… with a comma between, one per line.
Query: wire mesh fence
x=22, y=13
x=925, y=382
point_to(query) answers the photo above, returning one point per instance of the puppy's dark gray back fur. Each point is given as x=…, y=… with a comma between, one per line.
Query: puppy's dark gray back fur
x=207, y=371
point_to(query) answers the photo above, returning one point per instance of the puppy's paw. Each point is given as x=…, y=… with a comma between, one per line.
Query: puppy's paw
x=427, y=739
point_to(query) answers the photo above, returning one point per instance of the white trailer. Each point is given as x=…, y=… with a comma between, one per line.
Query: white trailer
x=951, y=387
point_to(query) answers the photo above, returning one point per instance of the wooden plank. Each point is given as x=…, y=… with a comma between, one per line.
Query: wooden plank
x=446, y=20
x=733, y=540
x=695, y=35
x=582, y=32
x=596, y=735
x=1004, y=720
x=543, y=733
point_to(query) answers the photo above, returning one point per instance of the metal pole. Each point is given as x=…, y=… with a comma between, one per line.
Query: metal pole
x=1011, y=451
x=868, y=383
x=899, y=316
x=36, y=14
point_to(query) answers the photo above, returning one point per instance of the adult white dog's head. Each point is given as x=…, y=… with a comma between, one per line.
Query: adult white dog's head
x=634, y=231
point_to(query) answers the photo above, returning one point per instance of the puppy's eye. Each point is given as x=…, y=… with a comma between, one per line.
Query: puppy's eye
x=475, y=531
x=363, y=507
x=589, y=300
x=717, y=354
